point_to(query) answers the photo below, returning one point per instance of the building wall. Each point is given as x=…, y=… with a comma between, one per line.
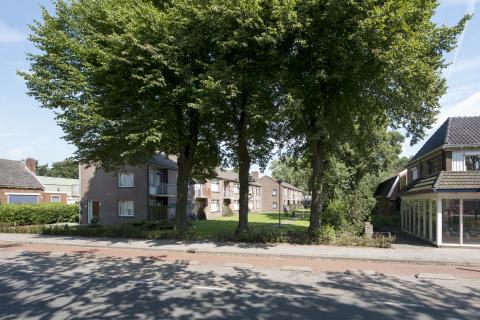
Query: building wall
x=458, y=158
x=103, y=187
x=267, y=195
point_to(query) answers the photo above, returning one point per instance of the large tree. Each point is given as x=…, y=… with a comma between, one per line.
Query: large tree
x=126, y=77
x=67, y=168
x=245, y=78
x=354, y=66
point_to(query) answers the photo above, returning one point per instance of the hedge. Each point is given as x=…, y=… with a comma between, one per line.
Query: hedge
x=38, y=213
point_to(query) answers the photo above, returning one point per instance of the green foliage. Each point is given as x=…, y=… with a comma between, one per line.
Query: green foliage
x=379, y=221
x=38, y=213
x=147, y=225
x=67, y=168
x=297, y=172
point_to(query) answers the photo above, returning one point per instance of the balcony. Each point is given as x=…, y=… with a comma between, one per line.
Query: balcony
x=163, y=189
x=202, y=192
x=228, y=193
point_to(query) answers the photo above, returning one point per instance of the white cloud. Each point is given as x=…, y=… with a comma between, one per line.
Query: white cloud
x=8, y=34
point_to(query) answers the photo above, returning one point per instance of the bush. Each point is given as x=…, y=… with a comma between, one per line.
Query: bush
x=38, y=213
x=144, y=225
x=379, y=221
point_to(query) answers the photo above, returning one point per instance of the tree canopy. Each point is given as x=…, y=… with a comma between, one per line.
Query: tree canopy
x=67, y=168
x=355, y=66
x=217, y=80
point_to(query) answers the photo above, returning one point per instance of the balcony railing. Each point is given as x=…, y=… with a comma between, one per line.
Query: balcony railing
x=163, y=188
x=228, y=193
x=200, y=192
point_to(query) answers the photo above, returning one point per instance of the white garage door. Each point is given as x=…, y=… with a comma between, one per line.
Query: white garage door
x=22, y=198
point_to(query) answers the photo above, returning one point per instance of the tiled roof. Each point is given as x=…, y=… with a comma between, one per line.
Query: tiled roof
x=233, y=176
x=227, y=175
x=57, y=184
x=160, y=160
x=284, y=184
x=383, y=189
x=15, y=174
x=454, y=131
x=444, y=181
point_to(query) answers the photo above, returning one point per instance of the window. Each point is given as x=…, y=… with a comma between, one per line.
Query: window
x=215, y=205
x=258, y=204
x=236, y=188
x=274, y=192
x=274, y=205
x=125, y=179
x=188, y=206
x=414, y=174
x=215, y=185
x=236, y=205
x=125, y=208
x=472, y=163
x=250, y=204
x=55, y=199
x=433, y=166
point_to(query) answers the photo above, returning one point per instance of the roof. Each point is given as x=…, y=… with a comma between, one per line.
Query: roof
x=455, y=131
x=160, y=160
x=386, y=188
x=57, y=184
x=15, y=174
x=444, y=181
x=284, y=184
x=232, y=176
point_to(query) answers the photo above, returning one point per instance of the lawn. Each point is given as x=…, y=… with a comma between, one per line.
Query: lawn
x=211, y=228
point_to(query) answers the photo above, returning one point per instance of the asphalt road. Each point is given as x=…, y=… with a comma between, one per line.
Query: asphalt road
x=47, y=287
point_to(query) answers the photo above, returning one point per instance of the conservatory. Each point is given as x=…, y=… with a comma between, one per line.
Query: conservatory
x=443, y=208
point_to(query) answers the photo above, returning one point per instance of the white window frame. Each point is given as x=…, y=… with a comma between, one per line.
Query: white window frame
x=56, y=196
x=126, y=179
x=250, y=204
x=126, y=208
x=236, y=188
x=274, y=192
x=274, y=205
x=236, y=205
x=215, y=185
x=215, y=205
x=469, y=154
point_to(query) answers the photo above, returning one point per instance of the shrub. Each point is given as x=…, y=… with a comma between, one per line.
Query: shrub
x=38, y=213
x=381, y=220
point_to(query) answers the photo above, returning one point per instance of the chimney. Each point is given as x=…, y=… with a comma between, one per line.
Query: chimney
x=255, y=175
x=31, y=164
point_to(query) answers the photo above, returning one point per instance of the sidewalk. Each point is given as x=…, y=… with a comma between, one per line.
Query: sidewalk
x=404, y=253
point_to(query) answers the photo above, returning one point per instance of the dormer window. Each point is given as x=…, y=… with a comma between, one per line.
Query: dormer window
x=414, y=174
x=472, y=163
x=433, y=166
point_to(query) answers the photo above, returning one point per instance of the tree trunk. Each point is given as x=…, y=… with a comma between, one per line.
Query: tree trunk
x=243, y=171
x=318, y=166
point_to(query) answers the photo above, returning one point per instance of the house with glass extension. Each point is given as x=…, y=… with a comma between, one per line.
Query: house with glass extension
x=441, y=201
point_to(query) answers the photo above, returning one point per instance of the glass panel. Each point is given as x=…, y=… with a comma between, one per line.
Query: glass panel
x=472, y=163
x=451, y=221
x=420, y=219
x=471, y=221
x=434, y=221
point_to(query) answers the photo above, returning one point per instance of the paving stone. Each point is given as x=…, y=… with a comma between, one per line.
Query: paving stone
x=238, y=265
x=140, y=259
x=368, y=273
x=186, y=262
x=295, y=268
x=435, y=276
x=192, y=250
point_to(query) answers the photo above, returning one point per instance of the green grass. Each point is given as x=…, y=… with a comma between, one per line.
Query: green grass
x=210, y=228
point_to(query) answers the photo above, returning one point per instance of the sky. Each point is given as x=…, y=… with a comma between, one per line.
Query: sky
x=26, y=130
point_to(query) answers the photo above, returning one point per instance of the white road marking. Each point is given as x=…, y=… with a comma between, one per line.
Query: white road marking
x=211, y=288
x=398, y=304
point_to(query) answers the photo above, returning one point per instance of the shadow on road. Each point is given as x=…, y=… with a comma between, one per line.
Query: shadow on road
x=43, y=287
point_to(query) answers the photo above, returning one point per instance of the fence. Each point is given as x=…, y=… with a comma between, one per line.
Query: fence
x=158, y=213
